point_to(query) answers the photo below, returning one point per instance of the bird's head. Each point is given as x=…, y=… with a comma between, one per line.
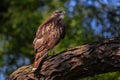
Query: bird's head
x=58, y=13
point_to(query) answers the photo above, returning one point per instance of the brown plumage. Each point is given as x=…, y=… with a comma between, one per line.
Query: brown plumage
x=49, y=33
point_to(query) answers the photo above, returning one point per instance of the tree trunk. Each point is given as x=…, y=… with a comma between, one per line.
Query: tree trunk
x=78, y=62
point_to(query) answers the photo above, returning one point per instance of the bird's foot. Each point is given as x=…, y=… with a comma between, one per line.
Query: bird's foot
x=35, y=73
x=33, y=69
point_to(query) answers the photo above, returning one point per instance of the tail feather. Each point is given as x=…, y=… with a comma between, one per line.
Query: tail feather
x=38, y=58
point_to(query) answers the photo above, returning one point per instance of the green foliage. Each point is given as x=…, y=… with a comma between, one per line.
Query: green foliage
x=108, y=76
x=21, y=18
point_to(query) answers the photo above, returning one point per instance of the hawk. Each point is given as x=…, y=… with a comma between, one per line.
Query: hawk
x=49, y=33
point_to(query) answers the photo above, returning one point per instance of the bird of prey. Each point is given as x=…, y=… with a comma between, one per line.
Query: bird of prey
x=49, y=33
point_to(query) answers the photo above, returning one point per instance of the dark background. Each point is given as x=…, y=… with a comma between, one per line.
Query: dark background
x=87, y=21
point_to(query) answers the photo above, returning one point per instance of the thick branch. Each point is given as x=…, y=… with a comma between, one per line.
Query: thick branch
x=77, y=62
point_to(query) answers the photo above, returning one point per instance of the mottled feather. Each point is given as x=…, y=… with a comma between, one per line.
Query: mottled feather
x=49, y=33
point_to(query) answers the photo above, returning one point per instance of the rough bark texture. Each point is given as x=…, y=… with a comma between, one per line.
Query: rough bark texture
x=78, y=62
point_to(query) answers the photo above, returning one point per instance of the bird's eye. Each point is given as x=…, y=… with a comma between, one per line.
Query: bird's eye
x=58, y=11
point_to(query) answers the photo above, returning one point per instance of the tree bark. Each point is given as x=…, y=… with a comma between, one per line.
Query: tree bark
x=78, y=62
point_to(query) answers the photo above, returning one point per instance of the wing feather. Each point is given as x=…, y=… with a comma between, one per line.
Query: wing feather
x=48, y=35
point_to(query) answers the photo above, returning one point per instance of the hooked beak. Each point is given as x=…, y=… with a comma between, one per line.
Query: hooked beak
x=62, y=15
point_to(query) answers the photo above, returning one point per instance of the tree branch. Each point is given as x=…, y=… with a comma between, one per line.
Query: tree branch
x=78, y=62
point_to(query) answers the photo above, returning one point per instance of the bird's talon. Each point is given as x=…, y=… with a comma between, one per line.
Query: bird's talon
x=33, y=69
